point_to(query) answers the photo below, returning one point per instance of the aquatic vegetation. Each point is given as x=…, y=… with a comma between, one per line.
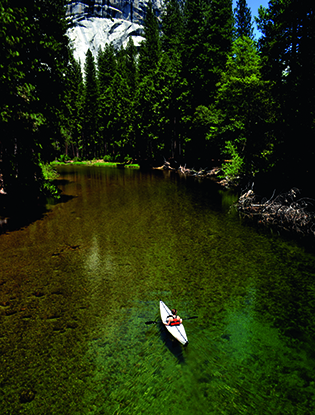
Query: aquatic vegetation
x=78, y=285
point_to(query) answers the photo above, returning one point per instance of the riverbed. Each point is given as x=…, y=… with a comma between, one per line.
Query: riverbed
x=78, y=284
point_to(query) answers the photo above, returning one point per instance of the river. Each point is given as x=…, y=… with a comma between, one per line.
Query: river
x=78, y=284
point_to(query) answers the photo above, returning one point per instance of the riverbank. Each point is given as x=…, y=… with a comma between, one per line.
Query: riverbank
x=98, y=162
x=290, y=212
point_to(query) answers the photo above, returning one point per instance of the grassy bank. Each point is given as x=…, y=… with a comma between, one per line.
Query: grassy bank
x=96, y=163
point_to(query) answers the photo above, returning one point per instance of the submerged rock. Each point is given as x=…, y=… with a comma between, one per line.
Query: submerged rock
x=27, y=396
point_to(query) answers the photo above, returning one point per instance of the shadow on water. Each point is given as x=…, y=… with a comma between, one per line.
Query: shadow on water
x=16, y=214
x=171, y=343
x=60, y=182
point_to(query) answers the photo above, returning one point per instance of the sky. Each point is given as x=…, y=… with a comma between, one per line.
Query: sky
x=254, y=6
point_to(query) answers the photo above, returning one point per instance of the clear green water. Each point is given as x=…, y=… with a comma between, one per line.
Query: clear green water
x=77, y=286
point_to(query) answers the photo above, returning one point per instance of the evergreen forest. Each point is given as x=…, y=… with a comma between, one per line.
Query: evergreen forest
x=200, y=89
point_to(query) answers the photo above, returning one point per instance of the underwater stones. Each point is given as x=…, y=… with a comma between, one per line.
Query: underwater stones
x=27, y=395
x=226, y=336
x=72, y=325
x=57, y=292
x=10, y=312
x=39, y=294
x=59, y=327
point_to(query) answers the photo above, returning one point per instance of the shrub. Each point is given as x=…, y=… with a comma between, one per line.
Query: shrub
x=48, y=171
x=232, y=169
x=63, y=158
x=107, y=158
x=46, y=186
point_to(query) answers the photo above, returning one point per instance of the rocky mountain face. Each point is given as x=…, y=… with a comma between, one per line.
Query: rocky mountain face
x=131, y=10
x=97, y=22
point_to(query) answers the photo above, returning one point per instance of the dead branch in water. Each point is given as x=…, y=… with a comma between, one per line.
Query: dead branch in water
x=206, y=172
x=286, y=211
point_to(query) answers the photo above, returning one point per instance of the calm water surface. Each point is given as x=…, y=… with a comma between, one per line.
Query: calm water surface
x=78, y=285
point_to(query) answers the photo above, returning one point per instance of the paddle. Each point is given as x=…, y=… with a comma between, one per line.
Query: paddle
x=154, y=321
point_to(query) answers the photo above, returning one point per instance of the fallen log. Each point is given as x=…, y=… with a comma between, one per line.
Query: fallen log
x=285, y=211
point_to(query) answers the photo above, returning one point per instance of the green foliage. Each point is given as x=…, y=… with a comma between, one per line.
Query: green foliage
x=189, y=92
x=172, y=29
x=49, y=189
x=32, y=85
x=106, y=67
x=130, y=64
x=150, y=48
x=243, y=20
x=71, y=113
x=90, y=108
x=49, y=173
x=171, y=86
x=208, y=33
x=243, y=112
x=233, y=168
x=63, y=158
x=286, y=45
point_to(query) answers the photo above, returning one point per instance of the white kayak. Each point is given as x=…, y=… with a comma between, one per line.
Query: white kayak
x=177, y=331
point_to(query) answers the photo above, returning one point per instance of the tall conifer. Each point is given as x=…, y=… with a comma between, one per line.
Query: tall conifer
x=172, y=29
x=71, y=123
x=208, y=32
x=243, y=110
x=90, y=107
x=131, y=65
x=149, y=58
x=243, y=20
x=107, y=68
x=34, y=55
x=150, y=48
x=288, y=33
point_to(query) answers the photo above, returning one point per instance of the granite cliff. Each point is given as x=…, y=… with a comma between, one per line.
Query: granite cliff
x=97, y=22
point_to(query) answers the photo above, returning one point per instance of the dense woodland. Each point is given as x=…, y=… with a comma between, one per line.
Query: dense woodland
x=200, y=88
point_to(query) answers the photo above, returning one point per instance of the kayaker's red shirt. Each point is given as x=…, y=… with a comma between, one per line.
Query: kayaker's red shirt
x=175, y=322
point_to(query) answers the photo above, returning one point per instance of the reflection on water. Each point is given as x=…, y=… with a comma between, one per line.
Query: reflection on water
x=77, y=286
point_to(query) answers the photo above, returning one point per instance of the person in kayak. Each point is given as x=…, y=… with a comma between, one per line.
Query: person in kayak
x=173, y=319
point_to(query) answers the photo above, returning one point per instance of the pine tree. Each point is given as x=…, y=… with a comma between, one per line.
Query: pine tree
x=106, y=70
x=71, y=122
x=149, y=58
x=219, y=34
x=131, y=65
x=90, y=107
x=172, y=29
x=150, y=48
x=288, y=29
x=208, y=32
x=33, y=58
x=243, y=20
x=123, y=92
x=171, y=83
x=106, y=67
x=243, y=111
x=194, y=49
x=207, y=42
